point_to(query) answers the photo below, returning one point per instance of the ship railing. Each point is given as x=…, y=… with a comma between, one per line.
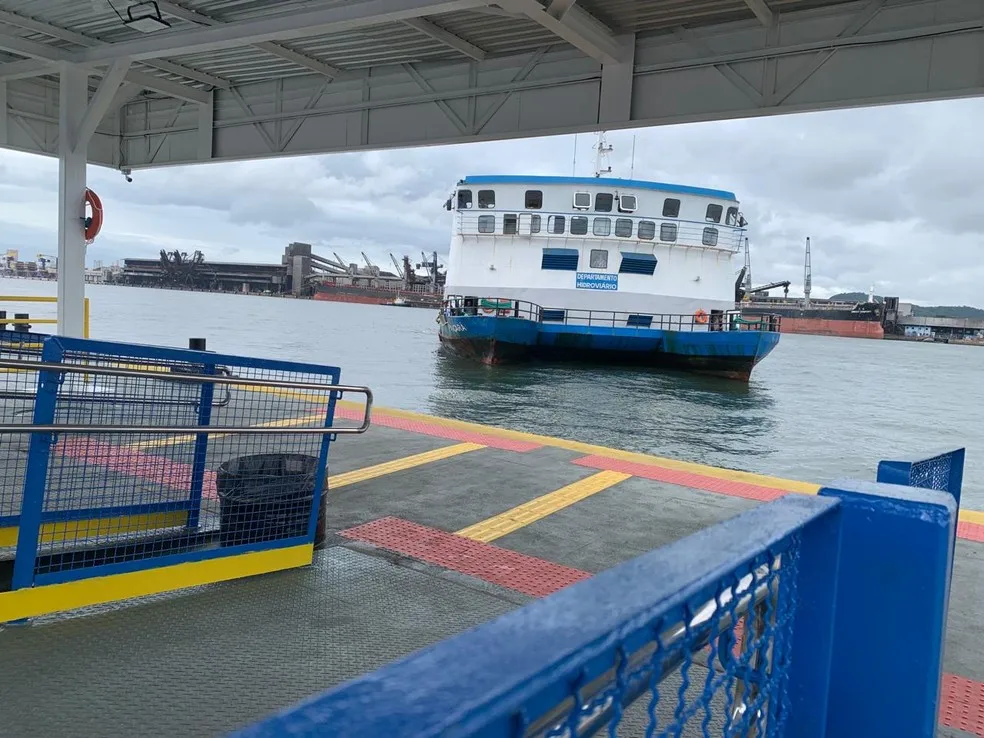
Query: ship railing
x=505, y=307
x=608, y=228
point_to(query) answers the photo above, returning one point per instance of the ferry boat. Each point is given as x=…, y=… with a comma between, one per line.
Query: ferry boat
x=600, y=269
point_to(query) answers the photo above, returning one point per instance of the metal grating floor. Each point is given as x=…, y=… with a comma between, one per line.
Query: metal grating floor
x=209, y=660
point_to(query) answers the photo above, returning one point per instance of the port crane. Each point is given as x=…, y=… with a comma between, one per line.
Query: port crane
x=44, y=260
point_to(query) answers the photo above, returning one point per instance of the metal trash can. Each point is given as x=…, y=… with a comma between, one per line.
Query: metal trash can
x=268, y=497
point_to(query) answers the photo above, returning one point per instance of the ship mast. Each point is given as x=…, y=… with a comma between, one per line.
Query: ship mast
x=748, y=268
x=602, y=150
x=807, y=276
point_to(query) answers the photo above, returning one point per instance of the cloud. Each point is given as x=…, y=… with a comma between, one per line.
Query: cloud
x=889, y=196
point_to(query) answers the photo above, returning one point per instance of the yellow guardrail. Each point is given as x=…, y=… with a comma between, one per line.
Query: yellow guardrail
x=4, y=299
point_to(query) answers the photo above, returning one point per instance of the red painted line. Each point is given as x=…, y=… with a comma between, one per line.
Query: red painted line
x=684, y=479
x=131, y=462
x=516, y=571
x=962, y=704
x=439, y=430
x=961, y=699
x=971, y=532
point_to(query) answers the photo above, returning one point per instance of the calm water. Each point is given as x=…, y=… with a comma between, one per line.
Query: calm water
x=817, y=408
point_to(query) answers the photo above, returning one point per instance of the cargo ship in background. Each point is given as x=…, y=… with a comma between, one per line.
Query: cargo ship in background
x=819, y=317
x=335, y=280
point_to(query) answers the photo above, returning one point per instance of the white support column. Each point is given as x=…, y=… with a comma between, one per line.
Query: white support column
x=78, y=119
x=3, y=113
x=206, y=124
x=615, y=104
x=73, y=98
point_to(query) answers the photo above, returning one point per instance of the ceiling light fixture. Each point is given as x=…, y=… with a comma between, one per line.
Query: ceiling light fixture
x=145, y=17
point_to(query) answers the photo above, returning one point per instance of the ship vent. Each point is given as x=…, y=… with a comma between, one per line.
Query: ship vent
x=550, y=315
x=639, y=321
x=637, y=264
x=564, y=260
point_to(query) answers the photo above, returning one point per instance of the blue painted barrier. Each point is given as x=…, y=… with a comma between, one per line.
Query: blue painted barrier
x=942, y=471
x=653, y=641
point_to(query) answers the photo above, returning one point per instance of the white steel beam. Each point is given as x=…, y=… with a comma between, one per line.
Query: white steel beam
x=447, y=38
x=32, y=49
x=206, y=126
x=295, y=57
x=25, y=69
x=73, y=91
x=351, y=15
x=80, y=39
x=100, y=104
x=767, y=17
x=615, y=103
x=577, y=27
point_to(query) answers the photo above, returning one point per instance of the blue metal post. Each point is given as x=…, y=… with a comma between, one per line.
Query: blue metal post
x=321, y=473
x=894, y=581
x=36, y=476
x=810, y=652
x=201, y=449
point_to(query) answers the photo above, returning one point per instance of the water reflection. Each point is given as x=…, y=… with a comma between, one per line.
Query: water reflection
x=670, y=413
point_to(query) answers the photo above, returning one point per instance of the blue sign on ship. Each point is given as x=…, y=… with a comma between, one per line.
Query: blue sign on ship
x=590, y=281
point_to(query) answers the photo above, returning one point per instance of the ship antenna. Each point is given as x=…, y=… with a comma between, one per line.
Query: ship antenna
x=574, y=162
x=807, y=276
x=601, y=155
x=632, y=166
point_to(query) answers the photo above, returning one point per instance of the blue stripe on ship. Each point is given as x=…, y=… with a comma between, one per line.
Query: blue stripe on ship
x=595, y=182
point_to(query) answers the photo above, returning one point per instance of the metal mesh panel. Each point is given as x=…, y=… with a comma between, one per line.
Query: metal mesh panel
x=116, y=498
x=17, y=393
x=715, y=668
x=932, y=473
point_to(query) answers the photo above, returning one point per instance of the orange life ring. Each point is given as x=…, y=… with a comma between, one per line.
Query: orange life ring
x=700, y=316
x=94, y=222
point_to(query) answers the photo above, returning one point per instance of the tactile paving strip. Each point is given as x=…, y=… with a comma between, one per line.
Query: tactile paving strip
x=527, y=574
x=684, y=479
x=439, y=430
x=971, y=532
x=962, y=704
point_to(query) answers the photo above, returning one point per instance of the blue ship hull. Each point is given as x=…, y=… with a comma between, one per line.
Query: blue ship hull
x=496, y=340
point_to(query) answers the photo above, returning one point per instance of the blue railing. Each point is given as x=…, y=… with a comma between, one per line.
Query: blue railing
x=792, y=619
x=942, y=471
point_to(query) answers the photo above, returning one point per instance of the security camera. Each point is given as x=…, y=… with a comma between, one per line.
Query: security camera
x=126, y=174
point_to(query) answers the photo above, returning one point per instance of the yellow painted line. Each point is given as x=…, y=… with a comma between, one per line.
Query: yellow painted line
x=71, y=530
x=190, y=438
x=972, y=516
x=790, y=485
x=29, y=603
x=539, y=508
x=407, y=462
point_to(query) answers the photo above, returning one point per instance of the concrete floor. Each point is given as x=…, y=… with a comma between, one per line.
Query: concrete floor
x=205, y=661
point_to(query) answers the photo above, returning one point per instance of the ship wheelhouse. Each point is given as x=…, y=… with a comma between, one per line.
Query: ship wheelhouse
x=595, y=243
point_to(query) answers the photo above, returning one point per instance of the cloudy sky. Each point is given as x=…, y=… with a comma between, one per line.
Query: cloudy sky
x=891, y=197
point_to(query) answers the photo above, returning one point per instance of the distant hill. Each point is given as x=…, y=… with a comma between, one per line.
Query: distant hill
x=920, y=311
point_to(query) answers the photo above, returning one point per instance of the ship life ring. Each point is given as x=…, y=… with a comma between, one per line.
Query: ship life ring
x=700, y=316
x=94, y=222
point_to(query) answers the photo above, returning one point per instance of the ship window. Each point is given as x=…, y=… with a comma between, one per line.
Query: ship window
x=604, y=201
x=627, y=203
x=732, y=217
x=601, y=226
x=563, y=260
x=534, y=224
x=486, y=224
x=464, y=199
x=510, y=224
x=599, y=258
x=486, y=198
x=710, y=237
x=552, y=315
x=671, y=208
x=623, y=228
x=668, y=232
x=582, y=200
x=637, y=264
x=713, y=214
x=556, y=224
x=534, y=199
x=579, y=225
x=639, y=321
x=646, y=230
